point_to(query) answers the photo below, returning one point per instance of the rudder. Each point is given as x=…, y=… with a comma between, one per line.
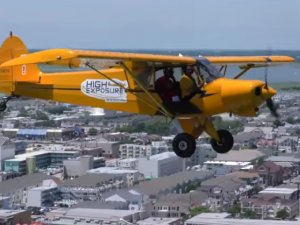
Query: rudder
x=11, y=48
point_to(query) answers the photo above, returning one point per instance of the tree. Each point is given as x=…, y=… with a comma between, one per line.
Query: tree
x=93, y=131
x=197, y=210
x=41, y=116
x=45, y=123
x=235, y=209
x=56, y=109
x=193, y=186
x=290, y=120
x=282, y=214
x=249, y=214
x=23, y=112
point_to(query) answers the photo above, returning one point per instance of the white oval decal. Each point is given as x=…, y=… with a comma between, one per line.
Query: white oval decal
x=105, y=89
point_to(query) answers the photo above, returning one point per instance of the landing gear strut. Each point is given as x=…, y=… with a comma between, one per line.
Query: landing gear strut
x=184, y=145
x=226, y=143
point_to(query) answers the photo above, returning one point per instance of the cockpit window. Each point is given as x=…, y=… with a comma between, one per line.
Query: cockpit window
x=208, y=70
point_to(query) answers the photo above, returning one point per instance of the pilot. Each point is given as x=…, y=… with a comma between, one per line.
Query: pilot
x=188, y=84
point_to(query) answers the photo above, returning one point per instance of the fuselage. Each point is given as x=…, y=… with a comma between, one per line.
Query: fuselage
x=89, y=88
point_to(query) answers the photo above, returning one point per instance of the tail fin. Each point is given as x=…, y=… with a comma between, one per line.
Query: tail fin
x=11, y=48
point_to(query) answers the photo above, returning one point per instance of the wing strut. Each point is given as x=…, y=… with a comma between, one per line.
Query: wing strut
x=246, y=68
x=160, y=106
x=129, y=90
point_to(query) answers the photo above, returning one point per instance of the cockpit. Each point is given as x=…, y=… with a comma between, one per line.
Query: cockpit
x=207, y=70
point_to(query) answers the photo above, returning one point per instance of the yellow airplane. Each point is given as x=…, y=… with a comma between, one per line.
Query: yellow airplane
x=130, y=82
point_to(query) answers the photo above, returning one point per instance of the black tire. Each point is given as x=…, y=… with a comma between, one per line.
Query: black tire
x=226, y=142
x=184, y=145
x=2, y=107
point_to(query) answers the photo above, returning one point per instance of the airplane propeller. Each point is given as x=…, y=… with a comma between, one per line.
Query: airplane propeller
x=269, y=102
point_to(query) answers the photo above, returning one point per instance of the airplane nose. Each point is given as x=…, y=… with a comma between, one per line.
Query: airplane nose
x=268, y=92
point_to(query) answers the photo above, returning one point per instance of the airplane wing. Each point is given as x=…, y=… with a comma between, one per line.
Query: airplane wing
x=255, y=61
x=79, y=58
x=102, y=59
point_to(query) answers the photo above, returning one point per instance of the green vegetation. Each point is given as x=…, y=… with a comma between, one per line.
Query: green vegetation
x=56, y=109
x=93, y=131
x=193, y=186
x=282, y=214
x=235, y=210
x=41, y=116
x=233, y=126
x=291, y=120
x=249, y=214
x=45, y=123
x=23, y=112
x=157, y=126
x=197, y=210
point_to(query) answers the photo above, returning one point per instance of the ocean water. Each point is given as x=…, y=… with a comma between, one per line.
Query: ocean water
x=279, y=73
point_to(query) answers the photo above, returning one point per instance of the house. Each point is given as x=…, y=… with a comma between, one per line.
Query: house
x=132, y=198
x=223, y=192
x=291, y=164
x=90, y=187
x=225, y=218
x=271, y=173
x=251, y=178
x=287, y=144
x=175, y=183
x=16, y=189
x=248, y=139
x=177, y=205
x=267, y=208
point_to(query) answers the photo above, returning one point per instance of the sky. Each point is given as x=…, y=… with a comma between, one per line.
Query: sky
x=153, y=24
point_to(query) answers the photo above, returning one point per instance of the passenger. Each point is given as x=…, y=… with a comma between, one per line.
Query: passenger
x=188, y=84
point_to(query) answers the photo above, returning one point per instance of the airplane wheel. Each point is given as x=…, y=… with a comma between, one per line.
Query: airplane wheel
x=184, y=145
x=226, y=142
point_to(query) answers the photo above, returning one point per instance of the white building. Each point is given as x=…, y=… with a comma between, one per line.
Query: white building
x=160, y=165
x=221, y=168
x=44, y=195
x=130, y=163
x=134, y=151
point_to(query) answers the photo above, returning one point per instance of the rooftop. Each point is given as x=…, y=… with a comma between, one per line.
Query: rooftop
x=157, y=221
x=219, y=219
x=8, y=213
x=111, y=170
x=240, y=156
x=162, y=156
x=89, y=180
x=227, y=163
x=276, y=190
x=90, y=214
x=11, y=185
x=26, y=155
x=158, y=185
x=283, y=159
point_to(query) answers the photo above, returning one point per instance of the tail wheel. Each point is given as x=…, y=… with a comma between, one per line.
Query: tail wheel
x=226, y=143
x=184, y=145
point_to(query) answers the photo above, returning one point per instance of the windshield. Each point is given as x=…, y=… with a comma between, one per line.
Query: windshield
x=208, y=70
